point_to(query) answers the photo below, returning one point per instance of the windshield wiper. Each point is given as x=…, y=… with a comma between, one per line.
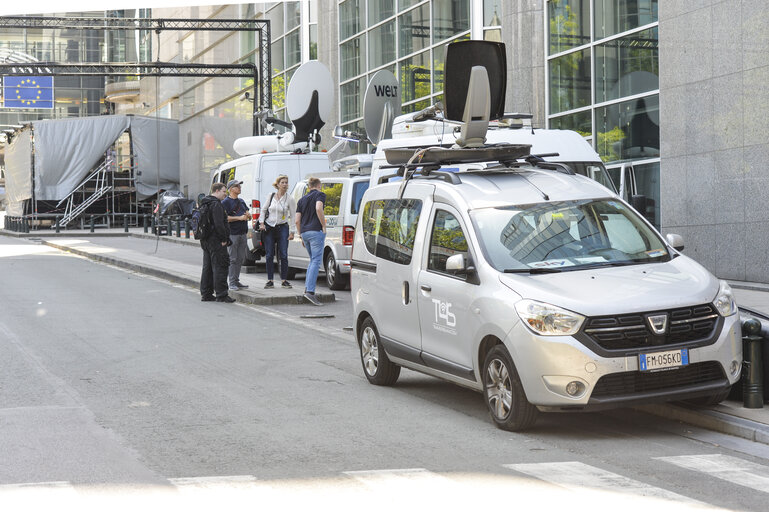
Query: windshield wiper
x=537, y=270
x=610, y=264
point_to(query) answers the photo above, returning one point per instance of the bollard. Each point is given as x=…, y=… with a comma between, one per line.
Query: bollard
x=25, y=225
x=178, y=227
x=752, y=366
x=58, y=225
x=153, y=225
x=125, y=223
x=93, y=223
x=170, y=227
x=186, y=228
x=145, y=222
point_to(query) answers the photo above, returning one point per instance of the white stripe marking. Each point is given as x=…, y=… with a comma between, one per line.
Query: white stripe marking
x=577, y=476
x=731, y=469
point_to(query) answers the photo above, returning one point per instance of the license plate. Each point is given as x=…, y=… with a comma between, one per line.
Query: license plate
x=659, y=360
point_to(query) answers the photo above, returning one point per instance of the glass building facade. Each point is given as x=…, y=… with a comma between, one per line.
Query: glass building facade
x=603, y=82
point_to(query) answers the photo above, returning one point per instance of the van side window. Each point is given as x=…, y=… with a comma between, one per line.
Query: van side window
x=358, y=189
x=389, y=228
x=300, y=190
x=333, y=193
x=447, y=239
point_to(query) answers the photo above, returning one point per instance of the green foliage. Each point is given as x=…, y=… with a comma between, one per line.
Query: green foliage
x=333, y=199
x=608, y=141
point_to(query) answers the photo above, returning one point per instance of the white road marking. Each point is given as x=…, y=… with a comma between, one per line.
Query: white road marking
x=732, y=469
x=577, y=476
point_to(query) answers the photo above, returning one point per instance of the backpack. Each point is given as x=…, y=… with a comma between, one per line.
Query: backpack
x=201, y=221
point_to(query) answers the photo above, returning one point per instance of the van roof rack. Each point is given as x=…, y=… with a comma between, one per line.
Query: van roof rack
x=437, y=155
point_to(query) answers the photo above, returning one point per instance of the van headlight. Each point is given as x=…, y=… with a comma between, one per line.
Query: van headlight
x=548, y=320
x=724, y=301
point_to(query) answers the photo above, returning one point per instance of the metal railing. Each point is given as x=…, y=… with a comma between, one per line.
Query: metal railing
x=102, y=186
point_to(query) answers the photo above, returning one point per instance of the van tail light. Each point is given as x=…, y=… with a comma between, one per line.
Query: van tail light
x=256, y=210
x=348, y=233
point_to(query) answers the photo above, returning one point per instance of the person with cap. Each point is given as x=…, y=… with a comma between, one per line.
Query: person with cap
x=213, y=279
x=237, y=217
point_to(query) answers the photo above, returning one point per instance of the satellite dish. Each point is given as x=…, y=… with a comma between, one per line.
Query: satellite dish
x=461, y=58
x=309, y=98
x=381, y=103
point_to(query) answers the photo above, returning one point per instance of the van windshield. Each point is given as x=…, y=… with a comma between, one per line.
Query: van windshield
x=566, y=235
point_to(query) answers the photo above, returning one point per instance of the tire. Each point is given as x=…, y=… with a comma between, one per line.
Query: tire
x=334, y=279
x=376, y=365
x=710, y=400
x=503, y=393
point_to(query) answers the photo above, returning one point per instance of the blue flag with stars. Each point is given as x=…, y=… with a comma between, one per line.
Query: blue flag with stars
x=28, y=91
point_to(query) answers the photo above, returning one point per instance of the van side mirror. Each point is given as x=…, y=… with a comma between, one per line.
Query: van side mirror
x=456, y=264
x=676, y=241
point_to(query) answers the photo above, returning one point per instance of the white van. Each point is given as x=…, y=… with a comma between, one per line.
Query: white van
x=258, y=172
x=344, y=190
x=538, y=287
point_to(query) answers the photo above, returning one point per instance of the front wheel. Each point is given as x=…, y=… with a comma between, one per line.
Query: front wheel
x=376, y=365
x=334, y=279
x=504, y=394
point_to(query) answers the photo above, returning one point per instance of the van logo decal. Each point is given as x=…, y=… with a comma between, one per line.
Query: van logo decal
x=445, y=320
x=658, y=323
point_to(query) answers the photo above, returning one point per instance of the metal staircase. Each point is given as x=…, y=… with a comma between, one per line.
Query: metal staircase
x=102, y=186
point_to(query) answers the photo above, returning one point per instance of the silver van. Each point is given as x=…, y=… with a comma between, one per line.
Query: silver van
x=538, y=287
x=344, y=191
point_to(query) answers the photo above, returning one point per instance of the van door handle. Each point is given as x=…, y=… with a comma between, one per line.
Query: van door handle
x=426, y=288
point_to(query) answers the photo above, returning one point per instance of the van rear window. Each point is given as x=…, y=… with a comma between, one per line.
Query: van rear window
x=357, y=194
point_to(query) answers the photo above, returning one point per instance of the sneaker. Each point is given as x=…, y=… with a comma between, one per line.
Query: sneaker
x=226, y=298
x=269, y=284
x=233, y=287
x=312, y=299
x=241, y=286
x=207, y=298
x=286, y=284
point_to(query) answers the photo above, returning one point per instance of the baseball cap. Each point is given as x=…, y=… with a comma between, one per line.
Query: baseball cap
x=233, y=183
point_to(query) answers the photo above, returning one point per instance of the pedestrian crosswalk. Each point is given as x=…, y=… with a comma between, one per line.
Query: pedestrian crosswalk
x=548, y=483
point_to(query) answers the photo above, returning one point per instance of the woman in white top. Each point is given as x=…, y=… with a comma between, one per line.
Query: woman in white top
x=279, y=211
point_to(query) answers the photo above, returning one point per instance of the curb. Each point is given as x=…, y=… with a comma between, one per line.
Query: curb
x=243, y=297
x=711, y=420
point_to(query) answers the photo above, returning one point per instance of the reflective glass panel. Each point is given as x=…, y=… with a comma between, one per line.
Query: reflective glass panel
x=416, y=106
x=293, y=15
x=612, y=17
x=627, y=66
x=313, y=42
x=450, y=17
x=275, y=15
x=351, y=18
x=379, y=10
x=629, y=129
x=415, y=77
x=447, y=240
x=381, y=45
x=414, y=27
x=570, y=81
x=276, y=49
x=352, y=54
x=580, y=122
x=293, y=48
x=351, y=98
x=569, y=22
x=492, y=13
x=439, y=60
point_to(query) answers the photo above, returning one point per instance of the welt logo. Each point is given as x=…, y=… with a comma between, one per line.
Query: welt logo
x=390, y=91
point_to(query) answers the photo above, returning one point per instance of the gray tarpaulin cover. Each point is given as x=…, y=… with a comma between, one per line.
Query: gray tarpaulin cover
x=66, y=150
x=18, y=178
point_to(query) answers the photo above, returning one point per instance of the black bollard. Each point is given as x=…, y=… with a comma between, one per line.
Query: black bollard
x=153, y=225
x=752, y=366
x=178, y=227
x=170, y=227
x=25, y=225
x=186, y=228
x=125, y=223
x=93, y=223
x=145, y=222
x=57, y=227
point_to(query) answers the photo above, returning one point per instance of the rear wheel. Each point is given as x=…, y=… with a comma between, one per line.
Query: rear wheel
x=334, y=279
x=376, y=365
x=504, y=394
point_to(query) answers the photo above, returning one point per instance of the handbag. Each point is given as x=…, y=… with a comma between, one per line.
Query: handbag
x=267, y=227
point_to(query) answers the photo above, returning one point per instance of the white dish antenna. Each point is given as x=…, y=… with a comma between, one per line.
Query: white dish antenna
x=381, y=104
x=309, y=99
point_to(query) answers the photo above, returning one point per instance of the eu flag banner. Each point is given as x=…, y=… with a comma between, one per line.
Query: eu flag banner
x=28, y=91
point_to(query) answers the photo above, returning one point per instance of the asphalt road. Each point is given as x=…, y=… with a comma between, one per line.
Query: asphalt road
x=124, y=390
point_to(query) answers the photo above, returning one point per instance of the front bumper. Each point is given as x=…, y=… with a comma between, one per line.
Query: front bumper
x=547, y=364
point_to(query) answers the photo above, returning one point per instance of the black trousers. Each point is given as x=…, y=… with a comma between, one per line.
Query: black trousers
x=216, y=264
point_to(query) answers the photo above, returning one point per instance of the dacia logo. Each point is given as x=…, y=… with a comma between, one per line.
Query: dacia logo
x=658, y=323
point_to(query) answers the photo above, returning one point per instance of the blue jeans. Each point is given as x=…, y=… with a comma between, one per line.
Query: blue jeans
x=279, y=235
x=313, y=242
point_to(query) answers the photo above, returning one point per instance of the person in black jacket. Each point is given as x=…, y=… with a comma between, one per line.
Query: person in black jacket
x=216, y=259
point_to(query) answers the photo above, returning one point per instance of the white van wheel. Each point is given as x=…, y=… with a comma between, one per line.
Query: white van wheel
x=376, y=365
x=504, y=394
x=334, y=279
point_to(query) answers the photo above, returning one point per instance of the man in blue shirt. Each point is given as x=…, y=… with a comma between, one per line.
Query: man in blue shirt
x=237, y=217
x=311, y=226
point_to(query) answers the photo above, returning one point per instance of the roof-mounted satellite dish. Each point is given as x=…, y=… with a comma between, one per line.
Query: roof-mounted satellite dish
x=381, y=103
x=475, y=79
x=309, y=99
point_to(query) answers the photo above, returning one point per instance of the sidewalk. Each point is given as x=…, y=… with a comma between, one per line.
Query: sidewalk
x=179, y=260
